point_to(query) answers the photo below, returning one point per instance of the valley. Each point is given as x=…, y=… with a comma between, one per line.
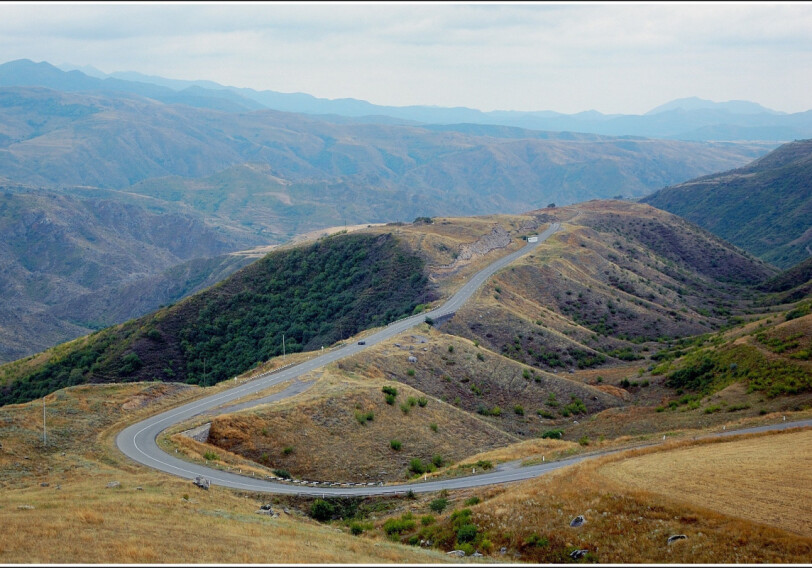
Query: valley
x=269, y=328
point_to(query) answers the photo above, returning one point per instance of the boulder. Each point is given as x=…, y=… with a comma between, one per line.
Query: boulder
x=202, y=482
x=456, y=553
x=576, y=554
x=577, y=521
x=675, y=538
x=113, y=485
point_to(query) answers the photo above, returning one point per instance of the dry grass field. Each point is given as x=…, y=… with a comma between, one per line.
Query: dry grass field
x=629, y=524
x=56, y=507
x=766, y=479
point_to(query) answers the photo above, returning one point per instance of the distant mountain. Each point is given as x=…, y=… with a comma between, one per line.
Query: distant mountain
x=24, y=72
x=764, y=207
x=683, y=119
x=55, y=139
x=695, y=103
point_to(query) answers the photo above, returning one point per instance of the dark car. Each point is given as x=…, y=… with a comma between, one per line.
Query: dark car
x=362, y=343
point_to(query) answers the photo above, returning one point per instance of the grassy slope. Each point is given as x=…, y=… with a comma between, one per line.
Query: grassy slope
x=764, y=207
x=619, y=282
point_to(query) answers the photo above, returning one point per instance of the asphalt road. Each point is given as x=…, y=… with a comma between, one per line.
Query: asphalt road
x=138, y=441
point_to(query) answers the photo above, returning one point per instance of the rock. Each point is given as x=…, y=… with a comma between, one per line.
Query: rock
x=286, y=510
x=202, y=482
x=25, y=507
x=576, y=554
x=676, y=537
x=139, y=488
x=577, y=521
x=476, y=555
x=412, y=359
x=503, y=550
x=44, y=484
x=265, y=507
x=113, y=485
x=456, y=553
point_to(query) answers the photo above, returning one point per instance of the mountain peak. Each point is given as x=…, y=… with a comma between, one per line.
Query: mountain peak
x=695, y=103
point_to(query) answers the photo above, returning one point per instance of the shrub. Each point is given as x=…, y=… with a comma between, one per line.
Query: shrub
x=433, y=426
x=466, y=547
x=390, y=399
x=283, y=473
x=404, y=407
x=422, y=401
x=322, y=510
x=545, y=413
x=389, y=390
x=287, y=450
x=397, y=526
x=466, y=533
x=480, y=357
x=584, y=441
x=438, y=505
x=211, y=456
x=451, y=349
x=429, y=321
x=410, y=372
x=536, y=540
x=411, y=401
x=395, y=445
x=437, y=460
x=416, y=466
x=472, y=501
x=427, y=520
x=364, y=417
x=519, y=409
x=553, y=434
x=577, y=406
x=356, y=529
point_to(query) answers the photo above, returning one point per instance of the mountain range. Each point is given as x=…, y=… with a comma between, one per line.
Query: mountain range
x=684, y=119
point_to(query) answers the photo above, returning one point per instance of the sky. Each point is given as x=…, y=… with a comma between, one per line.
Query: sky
x=613, y=57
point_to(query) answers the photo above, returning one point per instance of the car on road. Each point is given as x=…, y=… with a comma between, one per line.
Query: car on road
x=362, y=343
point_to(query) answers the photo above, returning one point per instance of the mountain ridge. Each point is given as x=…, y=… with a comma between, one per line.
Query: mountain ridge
x=690, y=118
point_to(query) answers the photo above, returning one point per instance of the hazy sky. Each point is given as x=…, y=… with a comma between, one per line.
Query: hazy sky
x=611, y=57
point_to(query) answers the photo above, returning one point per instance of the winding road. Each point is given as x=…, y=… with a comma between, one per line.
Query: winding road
x=139, y=441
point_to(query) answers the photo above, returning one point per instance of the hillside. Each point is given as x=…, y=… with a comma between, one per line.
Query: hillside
x=59, y=253
x=313, y=295
x=764, y=207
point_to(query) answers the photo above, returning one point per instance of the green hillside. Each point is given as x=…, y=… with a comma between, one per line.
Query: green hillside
x=764, y=207
x=314, y=295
